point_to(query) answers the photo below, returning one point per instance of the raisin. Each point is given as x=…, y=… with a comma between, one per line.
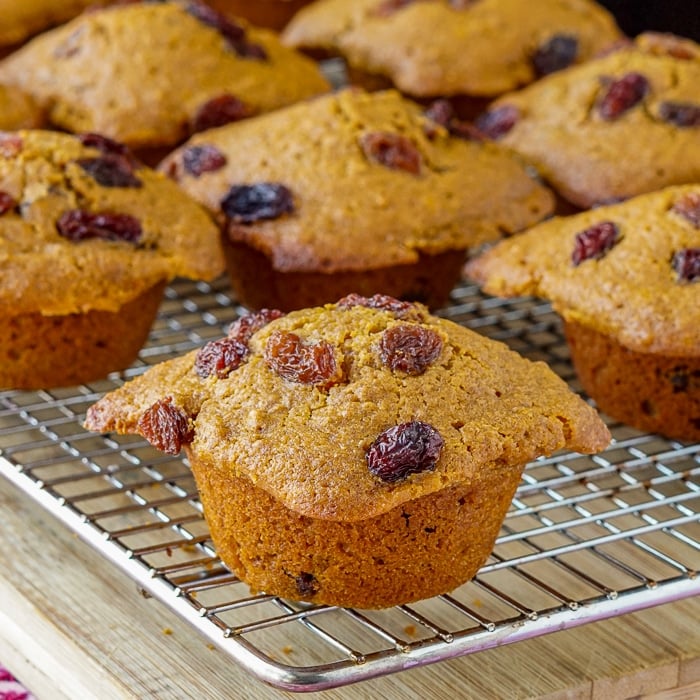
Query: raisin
x=165, y=427
x=686, y=263
x=388, y=7
x=110, y=171
x=220, y=111
x=392, y=151
x=220, y=357
x=558, y=52
x=292, y=359
x=202, y=159
x=10, y=145
x=667, y=44
x=245, y=204
x=682, y=114
x=408, y=448
x=622, y=94
x=307, y=584
x=410, y=349
x=683, y=379
x=105, y=144
x=400, y=309
x=688, y=206
x=7, y=202
x=78, y=225
x=595, y=242
x=497, y=122
x=245, y=327
x=442, y=112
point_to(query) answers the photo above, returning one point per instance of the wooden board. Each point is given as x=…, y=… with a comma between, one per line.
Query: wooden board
x=73, y=626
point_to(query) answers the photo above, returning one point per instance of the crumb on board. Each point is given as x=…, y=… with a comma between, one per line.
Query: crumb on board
x=167, y=630
x=410, y=630
x=287, y=650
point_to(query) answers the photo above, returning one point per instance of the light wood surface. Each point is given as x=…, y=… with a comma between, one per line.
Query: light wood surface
x=72, y=626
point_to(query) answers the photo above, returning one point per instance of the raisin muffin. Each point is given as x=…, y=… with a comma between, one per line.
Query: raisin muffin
x=371, y=195
x=626, y=280
x=381, y=445
x=18, y=110
x=263, y=13
x=88, y=240
x=454, y=47
x=165, y=70
x=620, y=125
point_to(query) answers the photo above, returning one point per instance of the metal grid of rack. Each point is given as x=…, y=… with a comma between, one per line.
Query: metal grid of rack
x=586, y=538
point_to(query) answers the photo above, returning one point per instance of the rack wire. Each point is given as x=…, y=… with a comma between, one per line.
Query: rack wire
x=586, y=538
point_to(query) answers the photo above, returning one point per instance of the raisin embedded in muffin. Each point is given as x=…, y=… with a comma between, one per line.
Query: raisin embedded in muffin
x=381, y=445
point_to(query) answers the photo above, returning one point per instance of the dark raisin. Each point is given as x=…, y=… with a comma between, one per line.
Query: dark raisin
x=78, y=225
x=682, y=114
x=220, y=357
x=307, y=584
x=497, y=122
x=220, y=111
x=10, y=145
x=688, y=206
x=682, y=379
x=165, y=427
x=686, y=263
x=245, y=204
x=110, y=170
x=105, y=144
x=622, y=94
x=304, y=363
x=245, y=327
x=442, y=112
x=400, y=309
x=595, y=242
x=202, y=159
x=7, y=202
x=392, y=151
x=388, y=7
x=408, y=448
x=558, y=52
x=410, y=349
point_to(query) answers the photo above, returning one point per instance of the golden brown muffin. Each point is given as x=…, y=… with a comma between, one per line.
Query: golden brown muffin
x=88, y=239
x=18, y=111
x=150, y=74
x=626, y=280
x=363, y=453
x=618, y=126
x=353, y=192
x=444, y=48
x=262, y=13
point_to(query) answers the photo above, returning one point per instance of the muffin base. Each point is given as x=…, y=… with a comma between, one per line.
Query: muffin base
x=420, y=549
x=654, y=393
x=258, y=285
x=40, y=352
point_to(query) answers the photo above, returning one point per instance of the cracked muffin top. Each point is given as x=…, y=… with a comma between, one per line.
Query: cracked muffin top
x=630, y=271
x=83, y=226
x=369, y=180
x=164, y=71
x=617, y=126
x=485, y=47
x=18, y=110
x=348, y=410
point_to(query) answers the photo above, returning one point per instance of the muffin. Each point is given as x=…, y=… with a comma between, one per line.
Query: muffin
x=89, y=238
x=456, y=47
x=263, y=13
x=369, y=194
x=618, y=126
x=18, y=111
x=362, y=453
x=186, y=69
x=626, y=280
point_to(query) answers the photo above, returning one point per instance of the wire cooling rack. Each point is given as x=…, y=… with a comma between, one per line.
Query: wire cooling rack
x=586, y=538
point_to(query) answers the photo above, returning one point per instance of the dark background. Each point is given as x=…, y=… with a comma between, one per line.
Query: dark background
x=678, y=16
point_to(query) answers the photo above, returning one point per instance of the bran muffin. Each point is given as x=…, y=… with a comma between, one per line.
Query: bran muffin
x=264, y=13
x=380, y=444
x=18, y=110
x=454, y=47
x=370, y=195
x=626, y=280
x=88, y=240
x=151, y=74
x=620, y=125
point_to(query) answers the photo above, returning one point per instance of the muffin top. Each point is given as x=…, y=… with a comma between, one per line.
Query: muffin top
x=629, y=270
x=485, y=47
x=83, y=226
x=18, y=110
x=617, y=126
x=348, y=410
x=367, y=181
x=150, y=74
